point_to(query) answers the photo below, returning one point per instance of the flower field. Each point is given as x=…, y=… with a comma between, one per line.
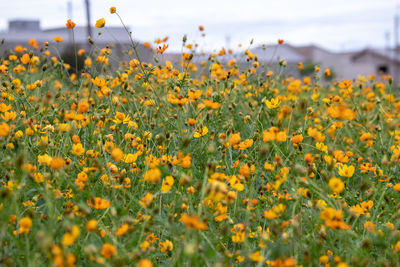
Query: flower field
x=194, y=165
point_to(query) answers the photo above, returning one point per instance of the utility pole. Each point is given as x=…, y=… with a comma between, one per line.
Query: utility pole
x=396, y=44
x=89, y=27
x=69, y=10
x=387, y=40
x=69, y=16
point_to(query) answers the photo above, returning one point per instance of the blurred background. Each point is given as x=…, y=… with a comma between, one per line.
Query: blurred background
x=354, y=30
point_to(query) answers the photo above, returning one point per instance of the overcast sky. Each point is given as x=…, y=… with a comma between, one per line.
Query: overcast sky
x=336, y=25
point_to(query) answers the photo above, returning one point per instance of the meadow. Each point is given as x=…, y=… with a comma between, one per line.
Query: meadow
x=161, y=164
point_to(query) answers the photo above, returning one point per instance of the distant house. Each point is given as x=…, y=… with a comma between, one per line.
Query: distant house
x=20, y=31
x=378, y=61
x=274, y=53
x=346, y=65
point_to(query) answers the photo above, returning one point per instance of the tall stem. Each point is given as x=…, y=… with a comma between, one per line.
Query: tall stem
x=76, y=54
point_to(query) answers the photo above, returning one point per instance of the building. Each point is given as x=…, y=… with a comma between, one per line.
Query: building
x=117, y=38
x=345, y=65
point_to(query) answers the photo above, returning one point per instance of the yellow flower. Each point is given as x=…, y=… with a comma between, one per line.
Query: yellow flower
x=321, y=147
x=38, y=177
x=268, y=166
x=273, y=103
x=78, y=149
x=25, y=225
x=44, y=159
x=203, y=131
x=239, y=233
x=236, y=184
x=19, y=134
x=91, y=225
x=167, y=184
x=256, y=257
x=113, y=9
x=9, y=116
x=397, y=246
x=345, y=170
x=121, y=118
x=68, y=239
x=144, y=245
x=130, y=158
x=63, y=127
x=152, y=175
x=166, y=246
x=336, y=185
x=100, y=23
x=147, y=200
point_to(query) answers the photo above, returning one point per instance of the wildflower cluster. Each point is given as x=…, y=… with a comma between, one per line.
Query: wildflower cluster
x=194, y=164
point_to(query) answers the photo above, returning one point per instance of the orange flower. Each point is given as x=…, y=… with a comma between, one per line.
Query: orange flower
x=100, y=23
x=396, y=187
x=161, y=50
x=234, y=139
x=81, y=52
x=58, y=39
x=4, y=129
x=192, y=222
x=122, y=230
x=145, y=263
x=117, y=154
x=70, y=24
x=147, y=45
x=152, y=175
x=108, y=250
x=57, y=163
x=98, y=203
x=25, y=59
x=113, y=9
x=32, y=42
x=83, y=106
x=191, y=121
x=297, y=139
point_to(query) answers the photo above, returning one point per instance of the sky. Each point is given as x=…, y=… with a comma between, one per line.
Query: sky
x=337, y=25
